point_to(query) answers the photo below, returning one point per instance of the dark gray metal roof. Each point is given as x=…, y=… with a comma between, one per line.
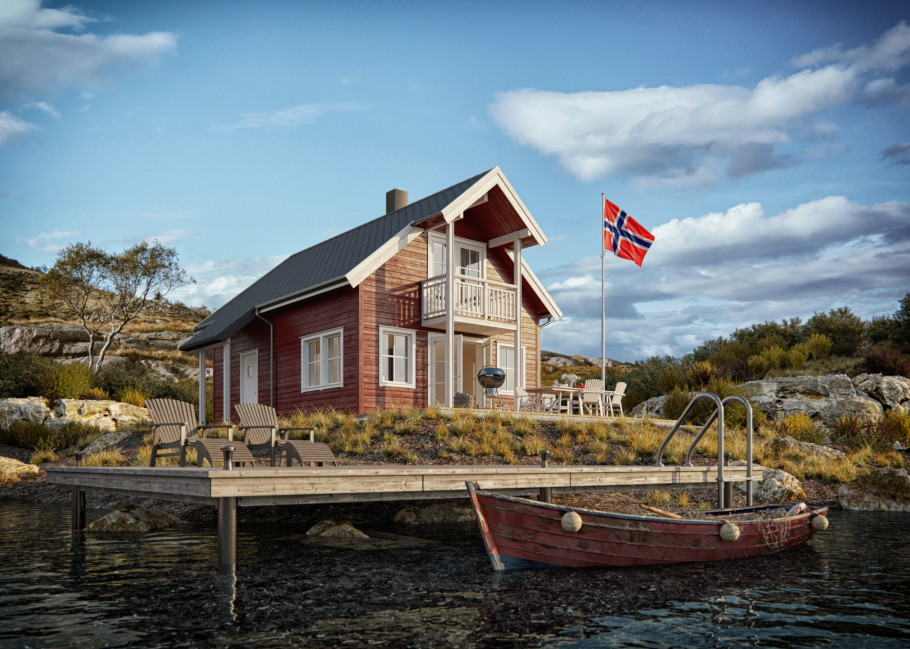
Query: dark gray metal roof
x=321, y=264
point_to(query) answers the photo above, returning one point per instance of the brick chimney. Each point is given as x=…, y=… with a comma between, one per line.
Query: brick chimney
x=395, y=199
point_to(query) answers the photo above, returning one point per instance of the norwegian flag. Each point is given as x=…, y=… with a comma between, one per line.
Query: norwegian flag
x=624, y=235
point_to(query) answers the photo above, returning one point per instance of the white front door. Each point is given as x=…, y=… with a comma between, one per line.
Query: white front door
x=249, y=377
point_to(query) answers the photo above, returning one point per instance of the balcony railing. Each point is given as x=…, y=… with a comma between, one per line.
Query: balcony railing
x=474, y=298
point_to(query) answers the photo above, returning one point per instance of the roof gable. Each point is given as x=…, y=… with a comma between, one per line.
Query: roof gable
x=319, y=267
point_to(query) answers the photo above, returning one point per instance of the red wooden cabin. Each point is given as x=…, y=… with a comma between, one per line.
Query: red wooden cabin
x=372, y=319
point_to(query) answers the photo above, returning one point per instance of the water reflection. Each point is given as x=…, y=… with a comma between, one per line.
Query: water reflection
x=56, y=590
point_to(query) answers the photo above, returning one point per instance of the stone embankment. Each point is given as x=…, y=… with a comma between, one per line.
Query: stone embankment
x=823, y=398
x=65, y=342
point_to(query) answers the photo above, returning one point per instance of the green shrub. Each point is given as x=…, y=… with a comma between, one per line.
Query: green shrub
x=118, y=376
x=700, y=373
x=819, y=346
x=31, y=435
x=133, y=396
x=800, y=426
x=797, y=355
x=845, y=329
x=67, y=381
x=734, y=412
x=95, y=394
x=23, y=374
x=850, y=432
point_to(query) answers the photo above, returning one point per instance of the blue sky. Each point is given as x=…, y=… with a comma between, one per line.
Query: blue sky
x=766, y=145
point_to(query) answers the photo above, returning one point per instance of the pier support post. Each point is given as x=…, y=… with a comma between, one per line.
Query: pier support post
x=78, y=501
x=227, y=523
x=545, y=495
x=728, y=486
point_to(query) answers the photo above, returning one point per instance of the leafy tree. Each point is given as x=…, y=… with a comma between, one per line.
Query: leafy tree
x=900, y=328
x=846, y=330
x=106, y=291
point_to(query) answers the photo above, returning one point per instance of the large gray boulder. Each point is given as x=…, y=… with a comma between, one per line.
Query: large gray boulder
x=33, y=409
x=823, y=398
x=893, y=392
x=652, y=408
x=885, y=489
x=106, y=415
x=48, y=339
x=776, y=486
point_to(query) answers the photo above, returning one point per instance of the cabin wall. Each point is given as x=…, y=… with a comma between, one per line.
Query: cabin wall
x=338, y=309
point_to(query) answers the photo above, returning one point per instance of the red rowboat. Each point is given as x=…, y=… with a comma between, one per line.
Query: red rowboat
x=520, y=533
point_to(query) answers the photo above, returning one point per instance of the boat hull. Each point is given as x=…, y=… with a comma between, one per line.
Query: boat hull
x=520, y=533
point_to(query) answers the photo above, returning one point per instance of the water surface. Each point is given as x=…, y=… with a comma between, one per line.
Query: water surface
x=847, y=588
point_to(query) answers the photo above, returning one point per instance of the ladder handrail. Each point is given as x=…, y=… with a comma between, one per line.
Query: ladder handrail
x=682, y=417
x=718, y=415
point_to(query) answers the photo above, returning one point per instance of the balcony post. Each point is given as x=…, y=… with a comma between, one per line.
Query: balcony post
x=450, y=315
x=519, y=357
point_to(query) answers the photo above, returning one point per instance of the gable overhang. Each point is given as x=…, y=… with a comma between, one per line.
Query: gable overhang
x=549, y=304
x=478, y=194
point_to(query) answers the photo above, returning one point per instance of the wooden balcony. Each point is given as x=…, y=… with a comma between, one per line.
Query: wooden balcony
x=480, y=306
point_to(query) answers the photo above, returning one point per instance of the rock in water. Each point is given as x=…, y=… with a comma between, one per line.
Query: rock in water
x=336, y=529
x=131, y=518
x=885, y=489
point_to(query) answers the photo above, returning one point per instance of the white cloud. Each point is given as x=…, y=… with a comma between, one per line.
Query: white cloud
x=706, y=276
x=214, y=286
x=36, y=58
x=288, y=117
x=685, y=136
x=11, y=127
x=45, y=107
x=50, y=242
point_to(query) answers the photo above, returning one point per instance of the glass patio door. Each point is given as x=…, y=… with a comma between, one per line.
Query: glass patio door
x=437, y=355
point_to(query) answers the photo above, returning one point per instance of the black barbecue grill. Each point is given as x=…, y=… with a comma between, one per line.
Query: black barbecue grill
x=491, y=379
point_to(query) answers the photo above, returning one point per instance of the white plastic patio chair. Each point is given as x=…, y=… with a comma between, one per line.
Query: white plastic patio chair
x=592, y=396
x=616, y=398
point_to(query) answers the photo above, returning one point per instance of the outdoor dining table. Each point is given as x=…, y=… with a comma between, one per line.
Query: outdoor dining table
x=560, y=391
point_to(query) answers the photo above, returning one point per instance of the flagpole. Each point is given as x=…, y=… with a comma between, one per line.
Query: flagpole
x=603, y=303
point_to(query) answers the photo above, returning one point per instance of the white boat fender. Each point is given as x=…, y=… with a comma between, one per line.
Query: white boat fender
x=819, y=523
x=571, y=522
x=729, y=531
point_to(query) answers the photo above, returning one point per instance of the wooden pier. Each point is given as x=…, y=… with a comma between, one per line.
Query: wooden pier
x=250, y=487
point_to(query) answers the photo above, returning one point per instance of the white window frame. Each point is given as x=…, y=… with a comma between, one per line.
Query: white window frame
x=500, y=345
x=436, y=237
x=411, y=336
x=322, y=337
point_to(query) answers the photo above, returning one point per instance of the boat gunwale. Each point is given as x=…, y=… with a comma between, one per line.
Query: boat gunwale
x=809, y=513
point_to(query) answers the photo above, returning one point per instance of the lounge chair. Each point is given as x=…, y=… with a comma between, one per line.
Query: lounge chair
x=175, y=428
x=260, y=423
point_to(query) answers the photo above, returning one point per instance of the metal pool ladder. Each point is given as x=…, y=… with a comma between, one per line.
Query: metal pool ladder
x=718, y=414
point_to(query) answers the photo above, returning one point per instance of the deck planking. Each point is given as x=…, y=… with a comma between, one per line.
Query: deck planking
x=361, y=483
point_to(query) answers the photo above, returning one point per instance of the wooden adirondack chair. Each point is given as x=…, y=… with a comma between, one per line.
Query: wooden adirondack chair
x=175, y=428
x=260, y=423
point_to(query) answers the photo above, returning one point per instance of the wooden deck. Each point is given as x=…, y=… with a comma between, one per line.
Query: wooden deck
x=357, y=483
x=242, y=487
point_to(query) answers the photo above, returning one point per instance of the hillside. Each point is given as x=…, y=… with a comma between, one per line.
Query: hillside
x=22, y=301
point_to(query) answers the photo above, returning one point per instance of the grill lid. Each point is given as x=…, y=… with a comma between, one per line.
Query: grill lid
x=491, y=377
